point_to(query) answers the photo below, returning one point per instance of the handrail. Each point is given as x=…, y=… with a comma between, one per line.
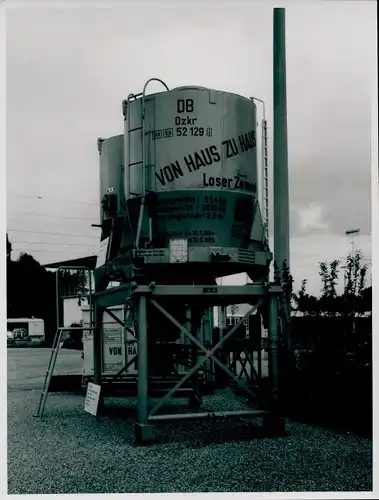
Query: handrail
x=57, y=291
x=139, y=227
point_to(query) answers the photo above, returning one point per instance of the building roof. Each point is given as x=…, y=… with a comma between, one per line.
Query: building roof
x=23, y=320
x=89, y=262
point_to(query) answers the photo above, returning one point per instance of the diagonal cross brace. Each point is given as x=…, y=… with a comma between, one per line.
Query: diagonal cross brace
x=208, y=354
x=251, y=362
x=133, y=360
x=119, y=321
x=243, y=365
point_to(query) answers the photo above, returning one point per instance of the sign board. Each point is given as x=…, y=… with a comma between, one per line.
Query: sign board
x=151, y=252
x=92, y=399
x=113, y=349
x=87, y=352
x=102, y=253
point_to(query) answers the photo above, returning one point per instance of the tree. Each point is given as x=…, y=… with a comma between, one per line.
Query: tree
x=329, y=277
x=300, y=296
x=356, y=274
x=367, y=299
x=31, y=292
x=352, y=273
x=287, y=284
x=307, y=304
x=9, y=249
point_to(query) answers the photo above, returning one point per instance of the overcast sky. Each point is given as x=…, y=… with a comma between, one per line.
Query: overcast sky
x=68, y=71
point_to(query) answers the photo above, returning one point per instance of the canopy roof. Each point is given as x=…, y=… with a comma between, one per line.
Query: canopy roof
x=89, y=262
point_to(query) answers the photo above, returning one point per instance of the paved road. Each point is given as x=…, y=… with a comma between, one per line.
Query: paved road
x=27, y=366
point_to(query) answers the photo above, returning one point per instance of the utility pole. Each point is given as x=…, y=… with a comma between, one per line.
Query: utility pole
x=280, y=180
x=354, y=234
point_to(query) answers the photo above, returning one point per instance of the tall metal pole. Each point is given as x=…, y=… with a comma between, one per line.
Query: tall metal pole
x=281, y=195
x=273, y=361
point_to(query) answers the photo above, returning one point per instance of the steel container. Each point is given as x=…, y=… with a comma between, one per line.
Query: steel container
x=111, y=163
x=195, y=148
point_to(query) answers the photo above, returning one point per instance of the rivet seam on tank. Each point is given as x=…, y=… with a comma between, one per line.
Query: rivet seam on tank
x=212, y=96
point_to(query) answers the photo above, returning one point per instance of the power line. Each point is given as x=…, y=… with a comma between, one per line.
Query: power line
x=53, y=243
x=63, y=200
x=45, y=232
x=45, y=251
x=38, y=214
x=59, y=224
x=317, y=258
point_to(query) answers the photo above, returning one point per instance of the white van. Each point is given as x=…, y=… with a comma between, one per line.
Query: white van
x=22, y=328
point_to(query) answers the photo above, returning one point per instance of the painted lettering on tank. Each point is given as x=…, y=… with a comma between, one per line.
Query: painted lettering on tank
x=230, y=148
x=204, y=157
x=229, y=183
x=169, y=173
x=188, y=120
x=208, y=156
x=210, y=181
x=247, y=141
x=245, y=185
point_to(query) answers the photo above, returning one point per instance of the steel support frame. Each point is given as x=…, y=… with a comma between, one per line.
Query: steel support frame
x=208, y=354
x=254, y=294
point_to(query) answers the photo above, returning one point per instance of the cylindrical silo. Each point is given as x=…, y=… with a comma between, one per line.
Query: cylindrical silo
x=195, y=148
x=111, y=163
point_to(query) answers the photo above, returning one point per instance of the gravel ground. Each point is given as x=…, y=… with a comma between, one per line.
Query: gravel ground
x=70, y=451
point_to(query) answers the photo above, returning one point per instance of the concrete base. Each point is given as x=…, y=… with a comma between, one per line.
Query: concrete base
x=144, y=433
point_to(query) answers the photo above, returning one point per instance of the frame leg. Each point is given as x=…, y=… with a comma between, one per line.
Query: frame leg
x=274, y=423
x=207, y=343
x=144, y=432
x=259, y=351
x=273, y=365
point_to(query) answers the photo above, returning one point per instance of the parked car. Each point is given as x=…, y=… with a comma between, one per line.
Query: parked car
x=20, y=334
x=10, y=338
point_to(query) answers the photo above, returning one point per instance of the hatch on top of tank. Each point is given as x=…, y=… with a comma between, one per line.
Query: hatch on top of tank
x=190, y=87
x=212, y=90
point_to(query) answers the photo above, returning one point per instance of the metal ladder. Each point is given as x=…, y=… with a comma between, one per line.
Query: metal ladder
x=51, y=366
x=58, y=338
x=263, y=184
x=141, y=162
x=265, y=175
